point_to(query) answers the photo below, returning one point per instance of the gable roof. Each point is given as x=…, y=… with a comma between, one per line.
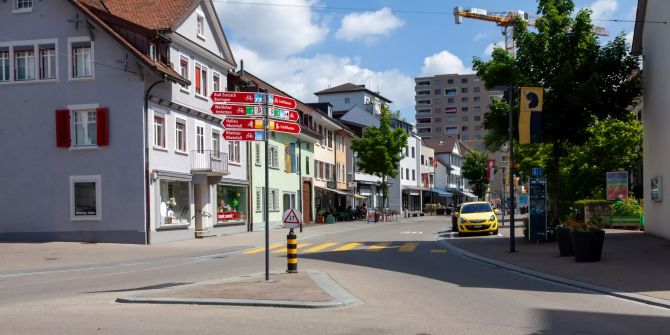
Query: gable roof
x=151, y=14
x=349, y=87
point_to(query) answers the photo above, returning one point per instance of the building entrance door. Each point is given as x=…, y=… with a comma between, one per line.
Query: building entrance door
x=306, y=202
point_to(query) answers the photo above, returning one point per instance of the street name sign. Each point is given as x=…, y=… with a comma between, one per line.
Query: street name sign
x=280, y=101
x=284, y=114
x=238, y=97
x=243, y=135
x=284, y=127
x=242, y=123
x=292, y=218
x=237, y=110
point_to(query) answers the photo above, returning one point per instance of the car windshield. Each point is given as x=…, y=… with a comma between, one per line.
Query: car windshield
x=476, y=208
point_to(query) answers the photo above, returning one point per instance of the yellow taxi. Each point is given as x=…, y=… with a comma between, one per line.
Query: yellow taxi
x=477, y=217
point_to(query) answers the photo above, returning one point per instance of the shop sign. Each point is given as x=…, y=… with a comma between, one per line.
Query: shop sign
x=223, y=216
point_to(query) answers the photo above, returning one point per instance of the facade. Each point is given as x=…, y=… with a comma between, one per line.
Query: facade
x=450, y=154
x=650, y=41
x=115, y=105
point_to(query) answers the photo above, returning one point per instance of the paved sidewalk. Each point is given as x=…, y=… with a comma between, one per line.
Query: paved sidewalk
x=632, y=261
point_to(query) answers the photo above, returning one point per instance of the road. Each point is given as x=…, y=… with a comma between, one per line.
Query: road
x=408, y=286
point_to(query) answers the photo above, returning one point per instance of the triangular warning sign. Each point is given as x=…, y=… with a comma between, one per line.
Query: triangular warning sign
x=292, y=217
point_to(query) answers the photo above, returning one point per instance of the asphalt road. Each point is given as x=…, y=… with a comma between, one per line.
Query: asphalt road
x=410, y=286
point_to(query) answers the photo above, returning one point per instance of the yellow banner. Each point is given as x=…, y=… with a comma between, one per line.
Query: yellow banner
x=530, y=101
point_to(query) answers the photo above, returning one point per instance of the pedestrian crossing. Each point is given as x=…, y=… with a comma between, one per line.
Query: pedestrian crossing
x=306, y=248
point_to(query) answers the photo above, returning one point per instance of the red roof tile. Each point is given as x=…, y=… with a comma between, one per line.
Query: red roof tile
x=151, y=14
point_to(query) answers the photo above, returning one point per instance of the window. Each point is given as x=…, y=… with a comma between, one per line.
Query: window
x=451, y=130
x=438, y=119
x=183, y=67
x=438, y=82
x=464, y=109
x=423, y=102
x=82, y=57
x=307, y=165
x=476, y=80
x=274, y=200
x=231, y=204
x=451, y=118
x=174, y=203
x=288, y=200
x=216, y=82
x=200, y=138
x=477, y=89
x=423, y=160
x=423, y=111
x=478, y=118
x=476, y=99
x=23, y=5
x=450, y=92
x=407, y=173
x=259, y=199
x=451, y=110
x=200, y=80
x=450, y=100
x=413, y=153
x=234, y=151
x=159, y=131
x=48, y=62
x=478, y=128
x=478, y=137
x=423, y=120
x=438, y=92
x=85, y=198
x=413, y=174
x=330, y=139
x=347, y=100
x=201, y=26
x=464, y=128
x=464, y=80
x=24, y=64
x=464, y=99
x=85, y=127
x=274, y=157
x=464, y=119
x=152, y=52
x=423, y=83
x=257, y=153
x=465, y=137
x=477, y=109
x=216, y=144
x=4, y=64
x=424, y=92
x=464, y=90
x=180, y=135
x=450, y=81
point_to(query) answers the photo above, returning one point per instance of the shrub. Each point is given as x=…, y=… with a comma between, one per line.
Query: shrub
x=626, y=207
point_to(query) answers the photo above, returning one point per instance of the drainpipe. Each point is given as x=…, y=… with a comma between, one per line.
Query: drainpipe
x=147, y=176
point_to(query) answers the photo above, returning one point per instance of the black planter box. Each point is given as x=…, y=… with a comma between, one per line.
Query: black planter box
x=587, y=245
x=564, y=242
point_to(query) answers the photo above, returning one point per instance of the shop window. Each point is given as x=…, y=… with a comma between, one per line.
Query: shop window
x=85, y=198
x=174, y=203
x=231, y=202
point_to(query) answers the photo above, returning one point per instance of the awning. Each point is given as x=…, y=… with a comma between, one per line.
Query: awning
x=358, y=196
x=336, y=191
x=469, y=195
x=441, y=192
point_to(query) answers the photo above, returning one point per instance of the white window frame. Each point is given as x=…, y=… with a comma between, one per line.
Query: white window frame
x=184, y=136
x=216, y=143
x=6, y=58
x=98, y=197
x=203, y=80
x=28, y=9
x=70, y=58
x=184, y=88
x=30, y=72
x=273, y=200
x=200, y=138
x=234, y=154
x=55, y=63
x=153, y=130
x=274, y=157
x=73, y=130
x=200, y=26
x=216, y=75
x=153, y=51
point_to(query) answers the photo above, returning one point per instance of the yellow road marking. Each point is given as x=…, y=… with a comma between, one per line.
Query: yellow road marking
x=283, y=250
x=255, y=251
x=348, y=246
x=379, y=246
x=439, y=251
x=408, y=247
x=320, y=247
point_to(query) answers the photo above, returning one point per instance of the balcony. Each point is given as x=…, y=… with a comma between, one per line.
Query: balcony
x=209, y=162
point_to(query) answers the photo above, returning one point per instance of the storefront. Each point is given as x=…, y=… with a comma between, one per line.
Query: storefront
x=371, y=194
x=231, y=204
x=174, y=199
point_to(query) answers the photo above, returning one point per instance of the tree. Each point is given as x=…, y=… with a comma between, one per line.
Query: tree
x=380, y=150
x=474, y=169
x=583, y=81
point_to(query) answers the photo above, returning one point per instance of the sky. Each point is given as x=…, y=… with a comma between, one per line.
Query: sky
x=304, y=46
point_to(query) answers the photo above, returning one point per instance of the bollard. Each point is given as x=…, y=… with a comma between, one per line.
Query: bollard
x=291, y=252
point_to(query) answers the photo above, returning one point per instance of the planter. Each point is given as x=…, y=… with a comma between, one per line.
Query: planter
x=564, y=242
x=626, y=222
x=320, y=219
x=587, y=245
x=330, y=219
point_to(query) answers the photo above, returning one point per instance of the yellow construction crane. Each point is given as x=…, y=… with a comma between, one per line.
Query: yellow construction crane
x=506, y=21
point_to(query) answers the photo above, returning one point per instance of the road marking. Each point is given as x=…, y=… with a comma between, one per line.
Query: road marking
x=439, y=251
x=348, y=246
x=320, y=247
x=408, y=247
x=283, y=250
x=379, y=246
x=412, y=232
x=257, y=250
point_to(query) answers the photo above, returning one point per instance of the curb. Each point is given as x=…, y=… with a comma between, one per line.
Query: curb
x=341, y=297
x=557, y=279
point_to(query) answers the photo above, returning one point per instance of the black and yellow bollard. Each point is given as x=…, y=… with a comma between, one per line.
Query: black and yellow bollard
x=291, y=252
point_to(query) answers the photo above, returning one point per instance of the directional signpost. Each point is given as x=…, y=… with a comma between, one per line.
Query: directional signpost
x=247, y=118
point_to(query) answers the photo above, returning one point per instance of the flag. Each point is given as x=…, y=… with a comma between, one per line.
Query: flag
x=490, y=165
x=530, y=114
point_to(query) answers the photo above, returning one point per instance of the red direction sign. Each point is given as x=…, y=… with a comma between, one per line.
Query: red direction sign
x=237, y=110
x=278, y=100
x=242, y=135
x=284, y=127
x=242, y=123
x=284, y=114
x=240, y=97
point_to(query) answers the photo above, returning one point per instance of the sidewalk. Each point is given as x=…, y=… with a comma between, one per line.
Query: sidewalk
x=632, y=261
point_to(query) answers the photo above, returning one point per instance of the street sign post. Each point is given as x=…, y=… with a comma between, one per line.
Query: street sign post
x=284, y=127
x=280, y=101
x=242, y=123
x=243, y=135
x=292, y=218
x=237, y=97
x=284, y=114
x=237, y=110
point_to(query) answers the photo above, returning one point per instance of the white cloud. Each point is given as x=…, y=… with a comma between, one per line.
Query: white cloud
x=603, y=9
x=629, y=38
x=368, y=25
x=301, y=76
x=489, y=48
x=483, y=35
x=632, y=13
x=443, y=62
x=277, y=30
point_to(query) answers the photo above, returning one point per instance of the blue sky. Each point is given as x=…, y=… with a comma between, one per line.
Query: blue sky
x=301, y=47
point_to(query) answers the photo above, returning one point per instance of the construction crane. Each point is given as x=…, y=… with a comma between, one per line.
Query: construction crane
x=506, y=21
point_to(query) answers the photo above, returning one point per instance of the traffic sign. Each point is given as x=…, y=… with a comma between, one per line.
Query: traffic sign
x=240, y=97
x=237, y=110
x=242, y=123
x=284, y=127
x=292, y=218
x=243, y=135
x=278, y=100
x=284, y=114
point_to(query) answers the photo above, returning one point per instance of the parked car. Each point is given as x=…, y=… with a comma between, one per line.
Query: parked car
x=477, y=217
x=454, y=218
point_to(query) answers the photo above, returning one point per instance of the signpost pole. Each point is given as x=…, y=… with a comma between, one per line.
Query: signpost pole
x=266, y=208
x=511, y=174
x=299, y=165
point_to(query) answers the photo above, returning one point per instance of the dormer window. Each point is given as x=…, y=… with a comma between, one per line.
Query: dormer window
x=152, y=52
x=201, y=26
x=23, y=5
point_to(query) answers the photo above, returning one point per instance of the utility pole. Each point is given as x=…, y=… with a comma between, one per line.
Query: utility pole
x=266, y=107
x=511, y=173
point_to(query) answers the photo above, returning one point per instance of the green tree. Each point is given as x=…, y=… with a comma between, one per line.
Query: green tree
x=474, y=169
x=380, y=150
x=583, y=81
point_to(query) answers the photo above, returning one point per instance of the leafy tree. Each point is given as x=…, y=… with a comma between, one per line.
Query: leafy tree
x=380, y=150
x=474, y=169
x=583, y=81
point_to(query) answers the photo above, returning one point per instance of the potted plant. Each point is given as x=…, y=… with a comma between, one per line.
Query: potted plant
x=320, y=218
x=587, y=239
x=575, y=218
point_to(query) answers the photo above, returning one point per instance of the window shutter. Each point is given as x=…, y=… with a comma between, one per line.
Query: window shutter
x=102, y=126
x=62, y=128
x=197, y=80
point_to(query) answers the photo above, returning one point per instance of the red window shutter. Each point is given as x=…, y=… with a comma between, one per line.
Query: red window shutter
x=197, y=80
x=102, y=125
x=62, y=128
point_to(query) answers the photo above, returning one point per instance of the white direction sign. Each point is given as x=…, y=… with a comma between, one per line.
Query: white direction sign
x=292, y=218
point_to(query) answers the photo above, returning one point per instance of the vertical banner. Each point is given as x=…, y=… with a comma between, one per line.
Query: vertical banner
x=530, y=114
x=617, y=185
x=490, y=166
x=537, y=216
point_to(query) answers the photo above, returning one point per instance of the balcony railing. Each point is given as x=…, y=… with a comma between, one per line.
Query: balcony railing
x=209, y=162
